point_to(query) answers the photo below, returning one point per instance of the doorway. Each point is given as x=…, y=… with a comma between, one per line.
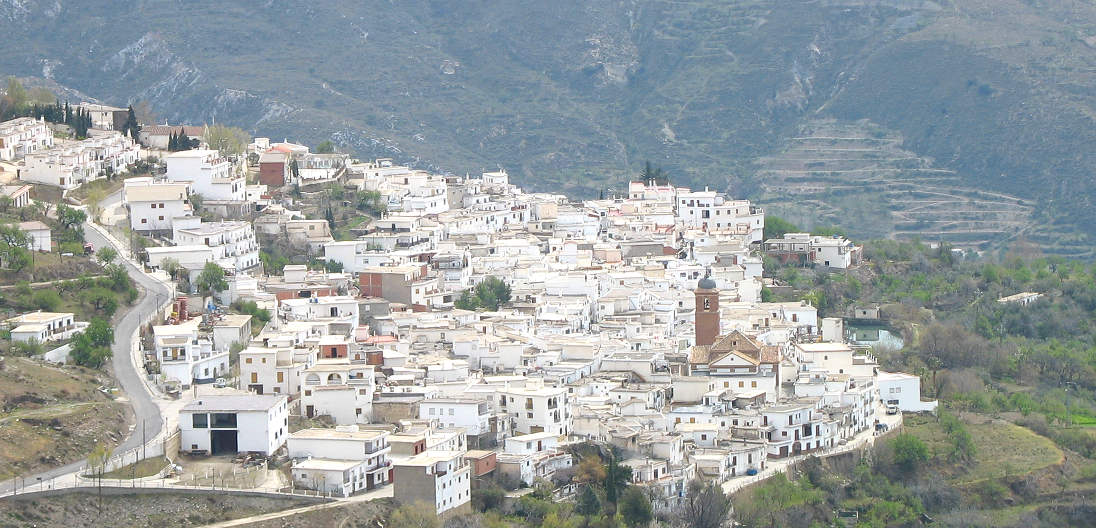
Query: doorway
x=223, y=442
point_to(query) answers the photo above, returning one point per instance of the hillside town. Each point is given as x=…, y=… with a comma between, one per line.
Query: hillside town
x=456, y=330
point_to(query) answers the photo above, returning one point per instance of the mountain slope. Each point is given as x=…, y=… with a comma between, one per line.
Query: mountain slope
x=574, y=95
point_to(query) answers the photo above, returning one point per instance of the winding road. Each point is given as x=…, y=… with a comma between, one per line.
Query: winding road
x=128, y=374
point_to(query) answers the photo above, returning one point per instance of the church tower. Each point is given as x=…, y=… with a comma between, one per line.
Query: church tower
x=707, y=311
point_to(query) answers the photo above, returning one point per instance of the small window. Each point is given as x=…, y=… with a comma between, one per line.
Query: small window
x=248, y=361
x=201, y=421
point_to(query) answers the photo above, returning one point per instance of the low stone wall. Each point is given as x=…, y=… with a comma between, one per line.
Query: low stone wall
x=124, y=490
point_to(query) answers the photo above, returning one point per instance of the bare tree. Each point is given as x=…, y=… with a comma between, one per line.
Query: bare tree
x=705, y=506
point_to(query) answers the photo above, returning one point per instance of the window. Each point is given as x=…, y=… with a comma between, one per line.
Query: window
x=224, y=420
x=161, y=217
x=254, y=377
x=753, y=384
x=144, y=220
x=264, y=360
x=248, y=361
x=201, y=421
x=431, y=411
x=281, y=377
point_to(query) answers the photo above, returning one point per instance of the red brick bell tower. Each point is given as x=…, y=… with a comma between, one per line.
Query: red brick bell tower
x=707, y=311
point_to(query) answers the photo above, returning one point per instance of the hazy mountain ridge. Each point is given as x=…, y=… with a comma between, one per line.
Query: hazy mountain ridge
x=574, y=95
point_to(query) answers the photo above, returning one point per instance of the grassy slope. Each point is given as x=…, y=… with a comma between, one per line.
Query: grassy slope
x=51, y=416
x=1003, y=449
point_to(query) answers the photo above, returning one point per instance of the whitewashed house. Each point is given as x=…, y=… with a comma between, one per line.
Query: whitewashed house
x=229, y=424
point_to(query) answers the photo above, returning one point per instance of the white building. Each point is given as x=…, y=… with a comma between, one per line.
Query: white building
x=536, y=409
x=209, y=175
x=340, y=461
x=233, y=243
x=22, y=136
x=439, y=478
x=44, y=326
x=156, y=206
x=473, y=415
x=187, y=357
x=275, y=368
x=339, y=388
x=226, y=424
x=337, y=307
x=903, y=390
x=191, y=257
x=69, y=164
x=832, y=252
x=709, y=210
x=38, y=235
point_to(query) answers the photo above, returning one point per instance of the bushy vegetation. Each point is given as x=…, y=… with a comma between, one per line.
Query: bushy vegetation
x=91, y=348
x=252, y=309
x=487, y=295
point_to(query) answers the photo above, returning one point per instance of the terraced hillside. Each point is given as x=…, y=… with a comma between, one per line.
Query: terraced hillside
x=858, y=176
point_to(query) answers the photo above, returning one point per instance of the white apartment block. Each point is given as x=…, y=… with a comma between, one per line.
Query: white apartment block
x=233, y=243
x=71, y=163
x=22, y=136
x=209, y=175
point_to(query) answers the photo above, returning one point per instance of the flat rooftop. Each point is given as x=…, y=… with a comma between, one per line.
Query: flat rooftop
x=335, y=434
x=234, y=402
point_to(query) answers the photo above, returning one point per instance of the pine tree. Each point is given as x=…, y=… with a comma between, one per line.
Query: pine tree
x=171, y=143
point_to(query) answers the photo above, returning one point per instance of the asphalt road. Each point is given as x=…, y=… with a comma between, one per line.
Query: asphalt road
x=126, y=373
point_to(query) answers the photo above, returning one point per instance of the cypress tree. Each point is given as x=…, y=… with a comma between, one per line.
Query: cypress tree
x=131, y=125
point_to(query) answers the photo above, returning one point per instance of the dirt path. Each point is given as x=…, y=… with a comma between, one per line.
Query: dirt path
x=379, y=493
x=51, y=411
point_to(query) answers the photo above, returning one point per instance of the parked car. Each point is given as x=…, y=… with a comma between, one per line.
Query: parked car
x=220, y=383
